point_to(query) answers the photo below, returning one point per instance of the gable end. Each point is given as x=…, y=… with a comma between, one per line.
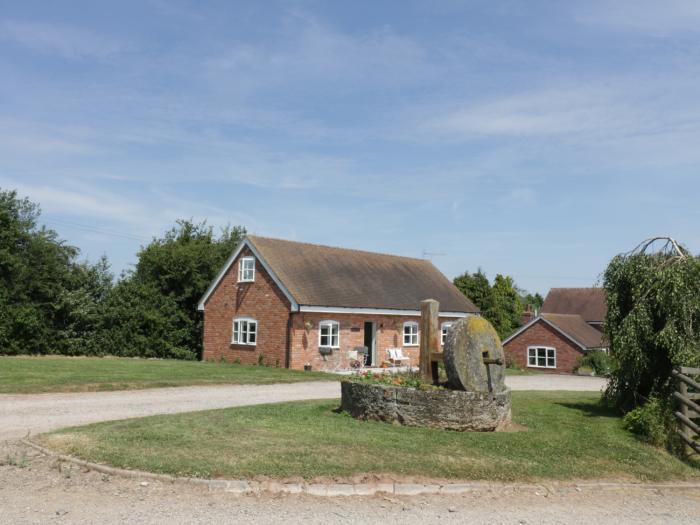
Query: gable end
x=245, y=243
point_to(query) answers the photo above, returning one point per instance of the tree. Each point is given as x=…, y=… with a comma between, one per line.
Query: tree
x=51, y=303
x=535, y=300
x=179, y=267
x=501, y=303
x=653, y=321
x=507, y=310
x=35, y=273
x=81, y=308
x=477, y=288
x=140, y=321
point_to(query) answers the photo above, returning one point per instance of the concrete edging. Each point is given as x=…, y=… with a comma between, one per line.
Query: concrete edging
x=243, y=486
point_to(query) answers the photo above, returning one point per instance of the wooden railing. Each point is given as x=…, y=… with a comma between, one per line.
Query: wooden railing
x=688, y=397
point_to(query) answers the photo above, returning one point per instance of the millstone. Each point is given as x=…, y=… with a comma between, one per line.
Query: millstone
x=470, y=341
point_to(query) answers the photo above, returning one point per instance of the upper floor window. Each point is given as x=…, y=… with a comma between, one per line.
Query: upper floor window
x=541, y=357
x=410, y=333
x=245, y=331
x=246, y=269
x=446, y=327
x=329, y=334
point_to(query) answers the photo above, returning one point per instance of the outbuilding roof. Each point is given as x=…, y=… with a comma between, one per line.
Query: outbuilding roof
x=589, y=303
x=577, y=328
x=324, y=276
x=571, y=326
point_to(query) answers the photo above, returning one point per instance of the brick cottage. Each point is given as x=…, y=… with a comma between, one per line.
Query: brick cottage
x=569, y=325
x=292, y=304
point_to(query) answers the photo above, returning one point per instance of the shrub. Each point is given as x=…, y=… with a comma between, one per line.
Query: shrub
x=651, y=421
x=597, y=361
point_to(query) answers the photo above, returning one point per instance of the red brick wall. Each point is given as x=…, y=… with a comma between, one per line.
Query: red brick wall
x=541, y=334
x=389, y=335
x=262, y=300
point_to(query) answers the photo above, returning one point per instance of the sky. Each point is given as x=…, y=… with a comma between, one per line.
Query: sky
x=536, y=139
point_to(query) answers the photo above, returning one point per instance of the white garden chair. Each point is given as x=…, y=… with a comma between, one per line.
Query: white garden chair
x=396, y=355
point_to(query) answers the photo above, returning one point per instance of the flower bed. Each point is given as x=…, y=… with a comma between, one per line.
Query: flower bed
x=406, y=379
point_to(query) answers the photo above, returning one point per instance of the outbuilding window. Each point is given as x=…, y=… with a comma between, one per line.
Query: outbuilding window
x=410, y=333
x=541, y=357
x=245, y=331
x=246, y=269
x=446, y=327
x=329, y=334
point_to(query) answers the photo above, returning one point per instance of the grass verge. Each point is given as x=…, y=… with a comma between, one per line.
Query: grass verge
x=24, y=375
x=569, y=436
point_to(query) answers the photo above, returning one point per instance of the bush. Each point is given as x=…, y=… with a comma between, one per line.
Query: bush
x=651, y=421
x=597, y=361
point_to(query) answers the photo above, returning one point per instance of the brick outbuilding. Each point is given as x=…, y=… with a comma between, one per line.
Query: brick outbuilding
x=569, y=326
x=292, y=304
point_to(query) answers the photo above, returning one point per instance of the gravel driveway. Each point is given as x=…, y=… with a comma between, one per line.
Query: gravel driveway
x=43, y=491
x=37, y=413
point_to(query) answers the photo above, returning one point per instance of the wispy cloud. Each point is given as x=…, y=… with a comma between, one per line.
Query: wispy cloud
x=67, y=42
x=19, y=137
x=314, y=53
x=537, y=113
x=86, y=203
x=652, y=17
x=605, y=109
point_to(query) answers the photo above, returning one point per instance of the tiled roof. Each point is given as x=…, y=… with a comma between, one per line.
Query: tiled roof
x=589, y=303
x=337, y=277
x=577, y=328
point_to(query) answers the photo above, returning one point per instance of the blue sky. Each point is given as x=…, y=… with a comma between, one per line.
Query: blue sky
x=533, y=138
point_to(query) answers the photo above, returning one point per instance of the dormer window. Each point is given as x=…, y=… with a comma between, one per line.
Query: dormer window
x=246, y=270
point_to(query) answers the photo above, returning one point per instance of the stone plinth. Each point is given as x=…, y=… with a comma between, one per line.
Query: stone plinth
x=448, y=409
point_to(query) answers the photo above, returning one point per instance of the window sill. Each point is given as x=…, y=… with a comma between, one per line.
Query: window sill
x=242, y=346
x=542, y=367
x=411, y=346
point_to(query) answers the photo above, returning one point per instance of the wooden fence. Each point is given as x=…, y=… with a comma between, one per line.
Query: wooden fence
x=688, y=397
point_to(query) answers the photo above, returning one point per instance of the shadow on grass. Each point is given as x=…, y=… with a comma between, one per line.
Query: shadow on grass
x=598, y=409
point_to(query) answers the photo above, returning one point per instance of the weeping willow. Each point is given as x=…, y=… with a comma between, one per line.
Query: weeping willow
x=653, y=320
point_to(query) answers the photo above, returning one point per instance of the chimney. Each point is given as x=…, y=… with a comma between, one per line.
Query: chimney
x=528, y=315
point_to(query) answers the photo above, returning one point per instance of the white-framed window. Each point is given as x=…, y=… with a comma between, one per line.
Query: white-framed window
x=446, y=327
x=541, y=357
x=329, y=334
x=410, y=333
x=246, y=269
x=245, y=331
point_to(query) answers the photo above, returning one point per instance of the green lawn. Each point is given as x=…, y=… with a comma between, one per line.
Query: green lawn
x=83, y=374
x=568, y=436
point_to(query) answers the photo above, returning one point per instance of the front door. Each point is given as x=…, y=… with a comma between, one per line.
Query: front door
x=369, y=343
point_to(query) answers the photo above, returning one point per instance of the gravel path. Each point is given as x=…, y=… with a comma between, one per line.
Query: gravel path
x=40, y=490
x=37, y=413
x=556, y=382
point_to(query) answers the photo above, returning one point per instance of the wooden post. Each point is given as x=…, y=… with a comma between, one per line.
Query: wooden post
x=683, y=391
x=429, y=334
